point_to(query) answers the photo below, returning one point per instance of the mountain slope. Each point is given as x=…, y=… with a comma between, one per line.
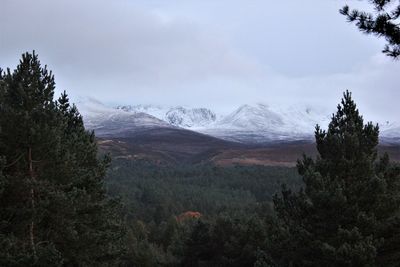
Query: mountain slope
x=172, y=145
x=262, y=123
x=110, y=122
x=254, y=124
x=263, y=135
x=391, y=135
x=177, y=116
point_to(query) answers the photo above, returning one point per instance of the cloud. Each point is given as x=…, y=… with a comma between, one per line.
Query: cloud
x=102, y=46
x=214, y=54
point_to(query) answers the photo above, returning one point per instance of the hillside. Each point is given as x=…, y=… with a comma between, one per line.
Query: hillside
x=248, y=124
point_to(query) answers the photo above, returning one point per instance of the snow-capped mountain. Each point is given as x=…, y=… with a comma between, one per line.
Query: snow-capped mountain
x=190, y=118
x=107, y=121
x=390, y=134
x=257, y=123
x=177, y=116
x=261, y=122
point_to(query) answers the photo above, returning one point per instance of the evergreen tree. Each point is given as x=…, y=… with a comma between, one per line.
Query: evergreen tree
x=54, y=210
x=384, y=23
x=198, y=250
x=348, y=213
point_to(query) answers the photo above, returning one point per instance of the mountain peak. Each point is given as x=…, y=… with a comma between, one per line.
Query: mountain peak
x=258, y=122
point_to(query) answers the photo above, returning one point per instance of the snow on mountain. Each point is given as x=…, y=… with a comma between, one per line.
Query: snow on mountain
x=190, y=118
x=252, y=118
x=257, y=123
x=177, y=116
x=153, y=110
x=295, y=119
x=390, y=132
x=261, y=123
x=106, y=121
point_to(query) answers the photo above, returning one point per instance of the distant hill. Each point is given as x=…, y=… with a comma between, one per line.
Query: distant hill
x=182, y=147
x=248, y=124
x=166, y=145
x=251, y=135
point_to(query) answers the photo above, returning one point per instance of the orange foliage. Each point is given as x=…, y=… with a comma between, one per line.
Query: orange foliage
x=188, y=215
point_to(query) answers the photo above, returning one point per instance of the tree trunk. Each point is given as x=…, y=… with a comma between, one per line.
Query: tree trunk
x=32, y=227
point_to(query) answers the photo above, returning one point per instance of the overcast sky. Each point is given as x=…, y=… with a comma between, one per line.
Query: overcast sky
x=212, y=53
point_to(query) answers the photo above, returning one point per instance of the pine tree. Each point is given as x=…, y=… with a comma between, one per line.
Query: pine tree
x=384, y=23
x=54, y=207
x=348, y=213
x=198, y=248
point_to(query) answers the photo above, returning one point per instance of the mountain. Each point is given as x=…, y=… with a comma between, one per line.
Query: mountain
x=249, y=124
x=171, y=145
x=127, y=132
x=252, y=134
x=263, y=123
x=111, y=122
x=391, y=134
x=190, y=118
x=178, y=116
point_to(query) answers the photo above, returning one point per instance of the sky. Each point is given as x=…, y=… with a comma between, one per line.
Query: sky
x=218, y=54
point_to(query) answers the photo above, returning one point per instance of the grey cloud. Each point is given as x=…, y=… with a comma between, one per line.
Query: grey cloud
x=218, y=54
x=99, y=40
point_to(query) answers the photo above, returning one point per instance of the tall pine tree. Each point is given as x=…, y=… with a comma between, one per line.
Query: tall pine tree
x=54, y=210
x=348, y=213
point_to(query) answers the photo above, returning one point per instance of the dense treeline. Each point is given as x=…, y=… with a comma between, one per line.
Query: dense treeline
x=234, y=203
x=154, y=192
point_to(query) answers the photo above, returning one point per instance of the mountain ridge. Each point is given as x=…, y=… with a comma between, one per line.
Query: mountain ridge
x=253, y=124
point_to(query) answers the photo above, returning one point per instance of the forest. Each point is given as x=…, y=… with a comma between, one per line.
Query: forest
x=167, y=205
